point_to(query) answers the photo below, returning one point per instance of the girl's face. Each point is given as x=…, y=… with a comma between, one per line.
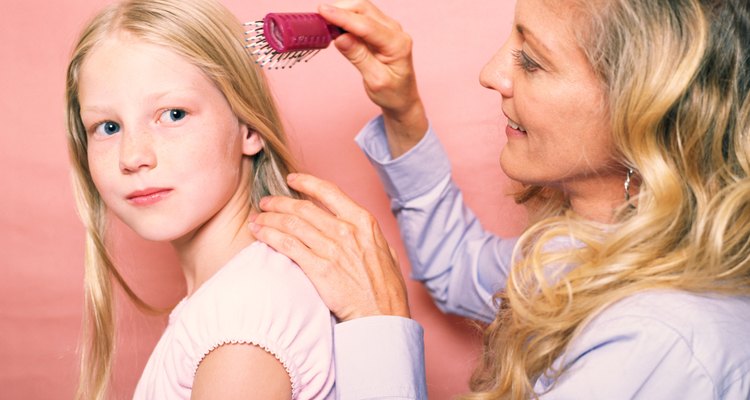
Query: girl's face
x=165, y=149
x=558, y=124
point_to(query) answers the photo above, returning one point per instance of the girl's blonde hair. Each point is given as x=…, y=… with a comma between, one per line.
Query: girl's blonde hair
x=677, y=74
x=211, y=38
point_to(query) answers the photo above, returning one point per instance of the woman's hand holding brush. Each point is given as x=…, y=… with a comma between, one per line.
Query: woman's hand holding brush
x=380, y=49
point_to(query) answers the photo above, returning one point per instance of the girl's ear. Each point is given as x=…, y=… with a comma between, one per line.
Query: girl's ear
x=252, y=142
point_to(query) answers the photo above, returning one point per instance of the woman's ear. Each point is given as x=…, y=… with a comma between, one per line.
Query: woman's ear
x=252, y=143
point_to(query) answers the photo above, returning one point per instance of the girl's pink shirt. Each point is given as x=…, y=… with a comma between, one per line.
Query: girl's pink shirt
x=260, y=298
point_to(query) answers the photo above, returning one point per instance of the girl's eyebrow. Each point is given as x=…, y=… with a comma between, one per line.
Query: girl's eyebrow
x=94, y=109
x=150, y=98
x=178, y=91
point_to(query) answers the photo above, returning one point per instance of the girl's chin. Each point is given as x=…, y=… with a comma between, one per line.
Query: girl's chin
x=159, y=237
x=158, y=233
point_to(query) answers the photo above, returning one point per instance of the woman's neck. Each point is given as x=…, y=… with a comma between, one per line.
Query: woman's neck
x=598, y=198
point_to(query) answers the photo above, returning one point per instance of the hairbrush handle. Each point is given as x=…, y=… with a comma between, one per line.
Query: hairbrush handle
x=281, y=40
x=287, y=32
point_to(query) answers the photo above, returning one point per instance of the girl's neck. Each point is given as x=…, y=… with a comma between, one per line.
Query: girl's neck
x=208, y=248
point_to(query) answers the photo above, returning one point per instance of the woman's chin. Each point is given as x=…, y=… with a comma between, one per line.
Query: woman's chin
x=512, y=168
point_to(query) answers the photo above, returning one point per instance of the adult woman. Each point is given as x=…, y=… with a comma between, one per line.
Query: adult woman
x=628, y=125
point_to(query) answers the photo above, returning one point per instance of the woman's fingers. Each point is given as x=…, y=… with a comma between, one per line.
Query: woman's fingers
x=293, y=233
x=352, y=222
x=346, y=295
x=299, y=214
x=288, y=245
x=367, y=8
x=377, y=46
x=372, y=47
x=353, y=281
x=384, y=38
x=328, y=194
x=316, y=228
x=340, y=247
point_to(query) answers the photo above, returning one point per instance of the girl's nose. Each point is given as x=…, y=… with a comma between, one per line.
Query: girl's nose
x=497, y=74
x=136, y=152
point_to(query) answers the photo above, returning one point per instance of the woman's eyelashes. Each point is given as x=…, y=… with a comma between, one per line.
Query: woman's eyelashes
x=523, y=60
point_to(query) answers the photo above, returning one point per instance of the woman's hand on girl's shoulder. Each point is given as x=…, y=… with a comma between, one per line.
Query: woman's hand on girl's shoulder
x=338, y=245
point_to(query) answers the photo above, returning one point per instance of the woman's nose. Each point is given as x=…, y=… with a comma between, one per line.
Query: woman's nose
x=136, y=152
x=497, y=74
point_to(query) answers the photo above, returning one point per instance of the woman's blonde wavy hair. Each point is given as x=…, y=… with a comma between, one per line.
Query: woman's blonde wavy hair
x=677, y=74
x=211, y=38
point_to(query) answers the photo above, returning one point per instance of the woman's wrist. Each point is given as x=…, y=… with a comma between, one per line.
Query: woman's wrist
x=405, y=128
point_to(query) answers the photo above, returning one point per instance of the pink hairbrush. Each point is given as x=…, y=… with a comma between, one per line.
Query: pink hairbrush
x=281, y=40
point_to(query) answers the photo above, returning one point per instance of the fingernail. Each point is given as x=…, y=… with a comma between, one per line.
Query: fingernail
x=254, y=227
x=291, y=177
x=263, y=202
x=252, y=217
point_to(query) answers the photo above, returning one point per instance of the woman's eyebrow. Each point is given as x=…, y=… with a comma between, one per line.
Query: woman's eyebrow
x=541, y=49
x=529, y=35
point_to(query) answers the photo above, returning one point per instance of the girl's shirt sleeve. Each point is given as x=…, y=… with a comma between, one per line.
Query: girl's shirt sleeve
x=259, y=298
x=460, y=263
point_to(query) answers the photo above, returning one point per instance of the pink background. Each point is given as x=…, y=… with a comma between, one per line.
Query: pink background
x=41, y=238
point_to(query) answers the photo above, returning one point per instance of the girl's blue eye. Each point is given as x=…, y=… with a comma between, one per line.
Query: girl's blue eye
x=173, y=115
x=108, y=128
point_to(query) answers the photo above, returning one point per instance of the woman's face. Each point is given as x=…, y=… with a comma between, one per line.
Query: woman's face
x=558, y=128
x=165, y=149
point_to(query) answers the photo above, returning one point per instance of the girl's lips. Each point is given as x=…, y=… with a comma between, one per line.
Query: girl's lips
x=148, y=196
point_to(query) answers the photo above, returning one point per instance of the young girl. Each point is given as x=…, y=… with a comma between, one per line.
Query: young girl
x=171, y=128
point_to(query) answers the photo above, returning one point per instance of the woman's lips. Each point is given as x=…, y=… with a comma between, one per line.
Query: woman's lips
x=148, y=196
x=514, y=129
x=510, y=131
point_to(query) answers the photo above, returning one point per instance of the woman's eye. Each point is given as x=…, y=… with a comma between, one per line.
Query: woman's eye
x=107, y=128
x=172, y=115
x=522, y=60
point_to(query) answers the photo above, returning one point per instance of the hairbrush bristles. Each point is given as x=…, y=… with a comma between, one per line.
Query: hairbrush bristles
x=281, y=40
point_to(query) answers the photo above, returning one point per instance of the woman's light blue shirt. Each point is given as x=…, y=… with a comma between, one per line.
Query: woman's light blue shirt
x=652, y=345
